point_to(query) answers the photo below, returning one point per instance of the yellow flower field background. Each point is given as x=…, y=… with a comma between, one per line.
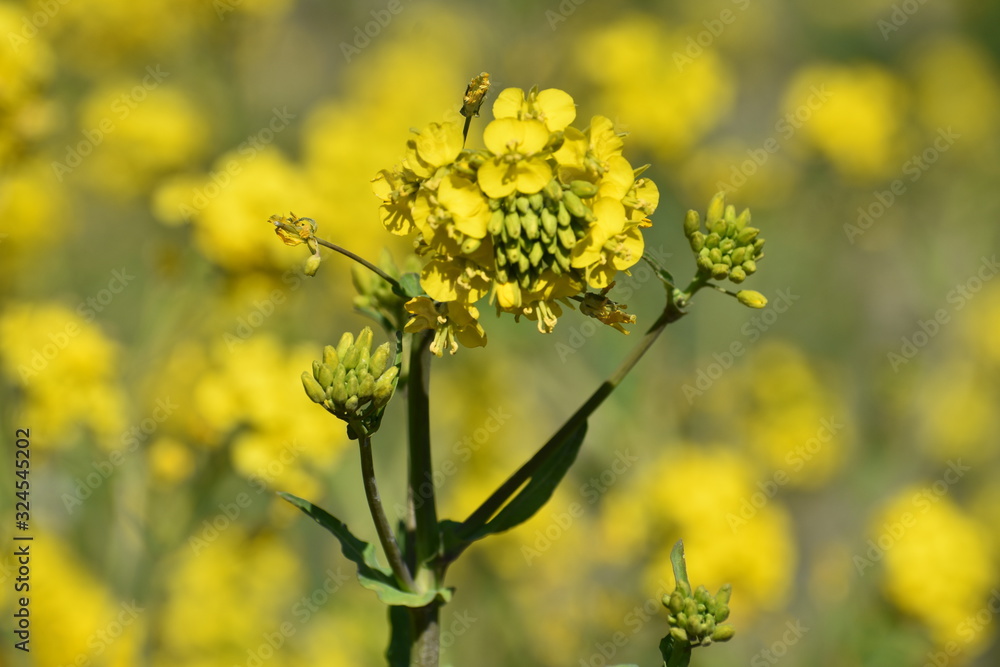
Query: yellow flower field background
x=835, y=456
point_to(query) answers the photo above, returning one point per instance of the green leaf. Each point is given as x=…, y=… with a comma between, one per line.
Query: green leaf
x=410, y=282
x=397, y=654
x=678, y=565
x=372, y=576
x=533, y=496
x=674, y=655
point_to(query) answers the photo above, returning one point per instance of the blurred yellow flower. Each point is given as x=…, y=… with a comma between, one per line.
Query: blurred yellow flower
x=68, y=371
x=939, y=564
x=853, y=115
x=666, y=106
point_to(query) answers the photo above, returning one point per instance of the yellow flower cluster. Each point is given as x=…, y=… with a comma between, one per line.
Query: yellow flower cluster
x=540, y=215
x=939, y=564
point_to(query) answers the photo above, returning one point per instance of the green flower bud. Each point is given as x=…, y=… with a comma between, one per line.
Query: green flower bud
x=351, y=358
x=523, y=264
x=352, y=383
x=583, y=189
x=715, y=255
x=553, y=190
x=721, y=613
x=549, y=222
x=723, y=633
x=697, y=240
x=743, y=219
x=750, y=266
x=746, y=235
x=364, y=341
x=692, y=223
x=679, y=635
x=351, y=404
x=726, y=245
x=719, y=227
x=471, y=245
x=366, y=388
x=712, y=240
x=521, y=204
x=536, y=201
x=738, y=255
x=312, y=265
x=701, y=595
x=338, y=394
x=385, y=386
x=313, y=389
x=704, y=263
x=529, y=221
x=537, y=252
x=574, y=205
x=330, y=357
x=563, y=216
x=346, y=341
x=716, y=208
x=720, y=271
x=512, y=225
x=566, y=237
x=495, y=224
x=730, y=216
x=751, y=299
x=562, y=258
x=737, y=275
x=379, y=360
x=325, y=376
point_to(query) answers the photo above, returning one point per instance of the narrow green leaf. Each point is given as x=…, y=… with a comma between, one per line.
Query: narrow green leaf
x=533, y=496
x=372, y=576
x=673, y=655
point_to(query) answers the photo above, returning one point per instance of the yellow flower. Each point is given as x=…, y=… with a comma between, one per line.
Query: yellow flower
x=515, y=165
x=453, y=322
x=397, y=197
x=437, y=145
x=552, y=106
x=608, y=246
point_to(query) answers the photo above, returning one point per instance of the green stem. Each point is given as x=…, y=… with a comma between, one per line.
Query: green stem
x=426, y=635
x=420, y=492
x=671, y=313
x=385, y=536
x=396, y=287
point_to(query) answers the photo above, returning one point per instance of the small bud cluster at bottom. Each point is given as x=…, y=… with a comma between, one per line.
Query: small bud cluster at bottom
x=695, y=619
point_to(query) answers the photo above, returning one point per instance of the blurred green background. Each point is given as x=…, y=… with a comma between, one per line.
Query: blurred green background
x=834, y=456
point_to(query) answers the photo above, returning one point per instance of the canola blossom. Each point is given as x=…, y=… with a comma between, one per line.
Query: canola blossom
x=541, y=216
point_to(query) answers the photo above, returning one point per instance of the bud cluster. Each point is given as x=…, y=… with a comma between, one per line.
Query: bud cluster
x=727, y=247
x=352, y=382
x=695, y=619
x=536, y=233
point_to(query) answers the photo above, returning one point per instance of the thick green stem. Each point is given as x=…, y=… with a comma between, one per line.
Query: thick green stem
x=420, y=492
x=385, y=536
x=426, y=635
